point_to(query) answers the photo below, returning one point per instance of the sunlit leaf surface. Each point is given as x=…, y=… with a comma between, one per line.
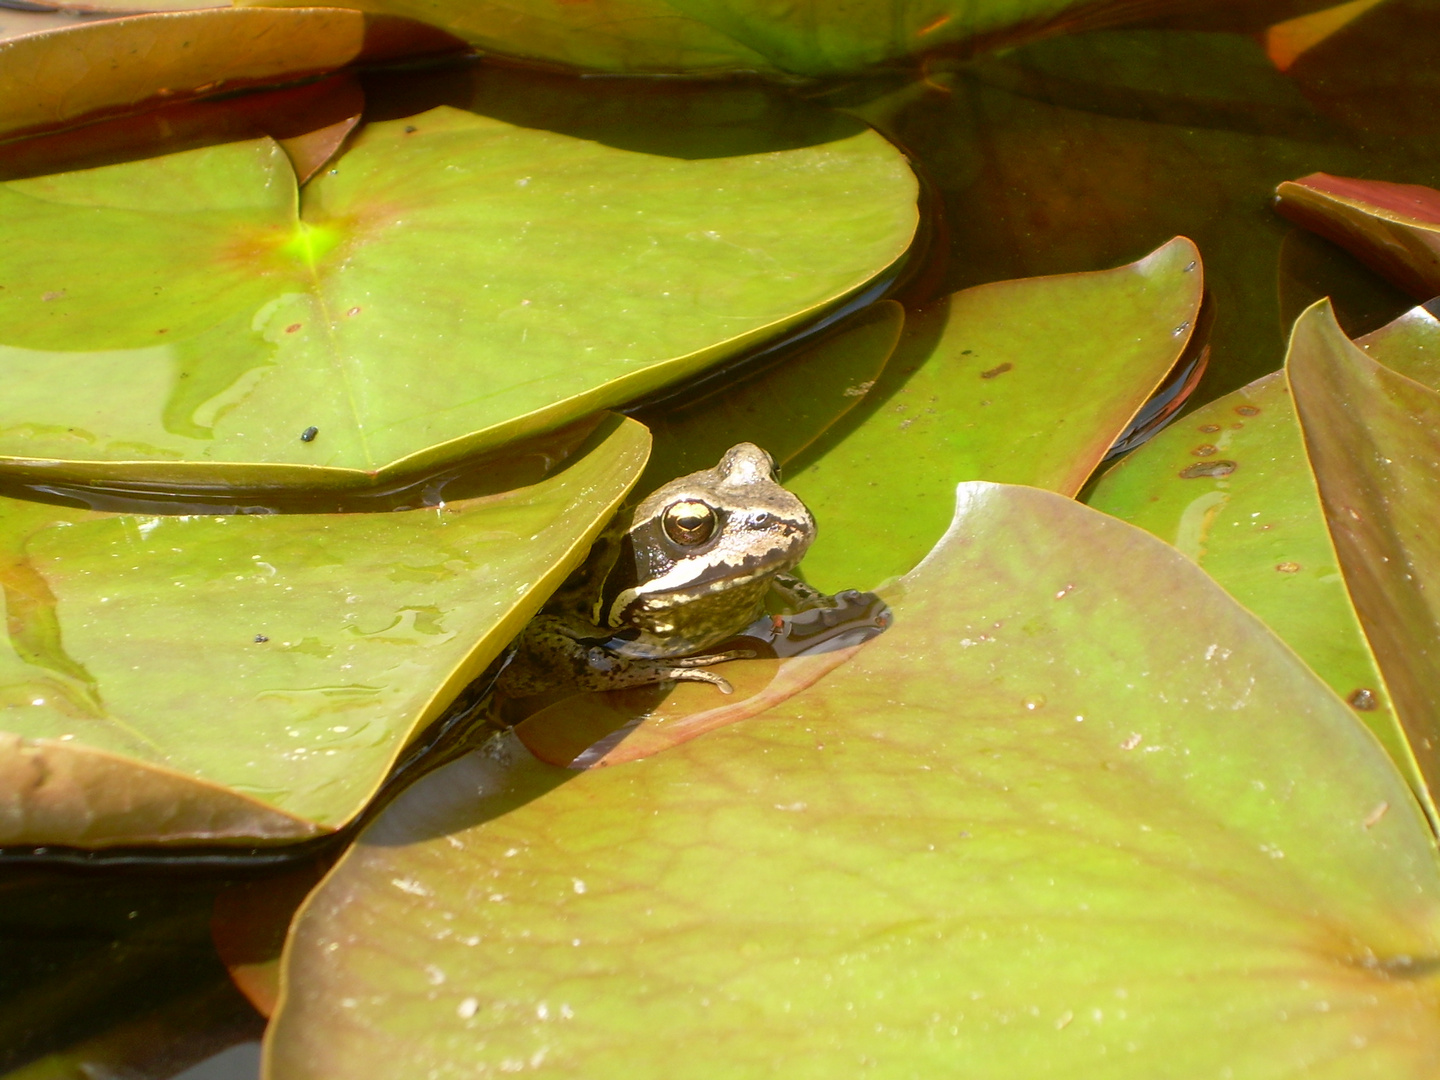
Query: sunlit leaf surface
x=1374, y=440
x=1409, y=345
x=784, y=408
x=15, y=23
x=1394, y=228
x=450, y=283
x=51, y=78
x=1230, y=486
x=1039, y=828
x=1025, y=382
x=214, y=678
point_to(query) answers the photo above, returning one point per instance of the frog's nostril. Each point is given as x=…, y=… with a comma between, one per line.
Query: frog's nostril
x=759, y=519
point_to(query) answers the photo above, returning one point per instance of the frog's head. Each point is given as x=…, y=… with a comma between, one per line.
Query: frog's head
x=707, y=534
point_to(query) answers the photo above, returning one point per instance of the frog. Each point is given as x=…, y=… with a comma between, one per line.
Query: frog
x=689, y=567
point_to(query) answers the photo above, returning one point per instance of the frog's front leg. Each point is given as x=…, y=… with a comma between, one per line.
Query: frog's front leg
x=798, y=596
x=553, y=652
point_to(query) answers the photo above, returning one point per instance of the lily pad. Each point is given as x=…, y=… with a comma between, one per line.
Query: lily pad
x=1039, y=828
x=15, y=23
x=251, y=679
x=1374, y=439
x=451, y=283
x=56, y=77
x=1230, y=487
x=784, y=408
x=1392, y=228
x=309, y=121
x=1080, y=151
x=1409, y=345
x=809, y=39
x=1025, y=382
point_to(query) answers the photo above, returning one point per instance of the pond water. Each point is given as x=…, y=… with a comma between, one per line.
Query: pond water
x=1071, y=154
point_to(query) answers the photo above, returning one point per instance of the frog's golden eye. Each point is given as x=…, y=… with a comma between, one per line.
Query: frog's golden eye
x=689, y=523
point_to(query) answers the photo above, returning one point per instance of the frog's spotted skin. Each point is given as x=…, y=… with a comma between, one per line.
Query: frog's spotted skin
x=687, y=568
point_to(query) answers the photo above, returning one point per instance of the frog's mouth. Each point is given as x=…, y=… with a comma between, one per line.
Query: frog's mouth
x=700, y=575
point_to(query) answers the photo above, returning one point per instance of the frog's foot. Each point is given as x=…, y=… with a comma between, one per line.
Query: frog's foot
x=606, y=671
x=690, y=668
x=800, y=596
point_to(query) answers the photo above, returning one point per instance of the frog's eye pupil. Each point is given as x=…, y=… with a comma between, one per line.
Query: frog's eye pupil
x=689, y=523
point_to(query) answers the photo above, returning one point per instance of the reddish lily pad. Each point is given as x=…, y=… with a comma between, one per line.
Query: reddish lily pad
x=248, y=925
x=421, y=301
x=1392, y=228
x=252, y=679
x=1040, y=827
x=1374, y=440
x=1230, y=487
x=1025, y=382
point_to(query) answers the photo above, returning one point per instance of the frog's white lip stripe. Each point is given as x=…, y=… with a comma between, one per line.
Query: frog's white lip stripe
x=680, y=576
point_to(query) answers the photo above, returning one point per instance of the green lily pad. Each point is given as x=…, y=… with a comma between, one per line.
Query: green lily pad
x=1039, y=828
x=714, y=36
x=784, y=408
x=1409, y=345
x=451, y=283
x=1025, y=382
x=1373, y=437
x=1230, y=487
x=253, y=678
x=1392, y=228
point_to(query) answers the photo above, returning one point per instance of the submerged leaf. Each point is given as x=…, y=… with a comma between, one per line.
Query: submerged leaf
x=1039, y=828
x=1025, y=382
x=453, y=282
x=1374, y=441
x=253, y=678
x=1230, y=487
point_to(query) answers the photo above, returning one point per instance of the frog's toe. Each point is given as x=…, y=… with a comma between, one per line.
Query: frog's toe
x=690, y=674
x=713, y=658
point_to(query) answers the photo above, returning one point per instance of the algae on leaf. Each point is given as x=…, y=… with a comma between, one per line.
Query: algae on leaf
x=252, y=679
